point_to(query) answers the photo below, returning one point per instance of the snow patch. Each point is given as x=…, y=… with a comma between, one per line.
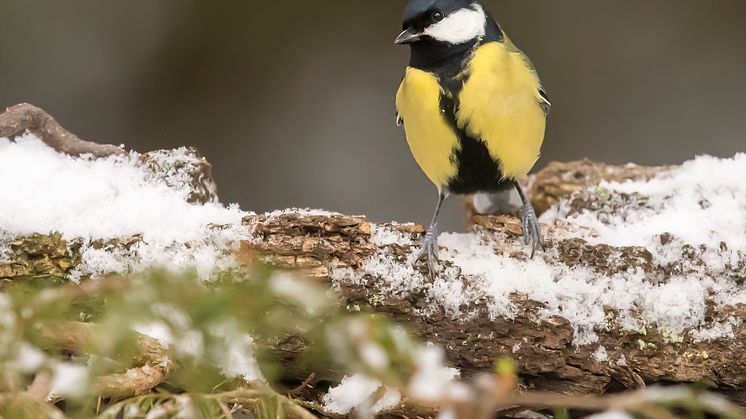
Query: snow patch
x=702, y=205
x=114, y=198
x=69, y=380
x=356, y=392
x=600, y=354
x=305, y=212
x=432, y=379
x=385, y=235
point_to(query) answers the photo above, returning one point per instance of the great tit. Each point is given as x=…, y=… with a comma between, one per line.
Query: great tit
x=472, y=106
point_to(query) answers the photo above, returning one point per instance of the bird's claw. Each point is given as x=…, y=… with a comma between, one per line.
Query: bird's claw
x=531, y=229
x=429, y=252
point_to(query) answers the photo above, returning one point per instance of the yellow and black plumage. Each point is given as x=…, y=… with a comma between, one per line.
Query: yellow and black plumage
x=472, y=105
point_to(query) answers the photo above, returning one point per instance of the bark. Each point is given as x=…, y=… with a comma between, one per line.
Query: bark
x=152, y=369
x=546, y=357
x=543, y=349
x=561, y=179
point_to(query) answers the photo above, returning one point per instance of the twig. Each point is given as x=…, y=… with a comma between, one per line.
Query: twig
x=155, y=365
x=252, y=397
x=306, y=384
x=24, y=116
x=40, y=387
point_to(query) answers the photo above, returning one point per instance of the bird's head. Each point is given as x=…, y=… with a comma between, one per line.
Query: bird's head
x=451, y=22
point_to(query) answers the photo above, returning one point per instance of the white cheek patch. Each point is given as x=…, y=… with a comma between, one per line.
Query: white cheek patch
x=460, y=26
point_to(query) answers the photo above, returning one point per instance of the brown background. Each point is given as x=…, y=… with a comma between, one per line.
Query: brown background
x=292, y=100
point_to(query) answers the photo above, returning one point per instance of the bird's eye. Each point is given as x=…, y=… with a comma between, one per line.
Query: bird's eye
x=437, y=16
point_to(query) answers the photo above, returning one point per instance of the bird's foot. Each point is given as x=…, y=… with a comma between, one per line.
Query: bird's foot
x=429, y=252
x=531, y=229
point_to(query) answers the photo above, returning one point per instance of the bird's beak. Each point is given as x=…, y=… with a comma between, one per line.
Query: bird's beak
x=408, y=36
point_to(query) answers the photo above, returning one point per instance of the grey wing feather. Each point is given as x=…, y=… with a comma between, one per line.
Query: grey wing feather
x=545, y=104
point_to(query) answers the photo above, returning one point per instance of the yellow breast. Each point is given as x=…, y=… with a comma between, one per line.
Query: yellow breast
x=499, y=104
x=430, y=137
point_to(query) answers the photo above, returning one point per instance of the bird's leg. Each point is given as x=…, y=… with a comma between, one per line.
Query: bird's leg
x=429, y=252
x=531, y=228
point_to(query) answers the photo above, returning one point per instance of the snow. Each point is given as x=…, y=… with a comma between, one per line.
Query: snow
x=239, y=360
x=701, y=205
x=390, y=399
x=385, y=235
x=157, y=330
x=432, y=378
x=29, y=358
x=305, y=212
x=432, y=381
x=69, y=380
x=600, y=354
x=717, y=330
x=374, y=356
x=622, y=361
x=114, y=198
x=447, y=414
x=353, y=392
x=234, y=359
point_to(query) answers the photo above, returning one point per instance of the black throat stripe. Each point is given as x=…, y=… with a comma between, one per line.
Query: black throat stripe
x=477, y=170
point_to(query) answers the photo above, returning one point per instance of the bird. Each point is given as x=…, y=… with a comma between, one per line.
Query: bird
x=473, y=109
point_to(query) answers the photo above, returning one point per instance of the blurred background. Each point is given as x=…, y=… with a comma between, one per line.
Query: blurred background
x=293, y=100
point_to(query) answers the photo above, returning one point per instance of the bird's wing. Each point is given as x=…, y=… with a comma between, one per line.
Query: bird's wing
x=544, y=102
x=398, y=120
x=501, y=104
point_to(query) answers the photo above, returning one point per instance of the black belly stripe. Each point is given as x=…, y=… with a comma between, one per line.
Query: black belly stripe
x=477, y=170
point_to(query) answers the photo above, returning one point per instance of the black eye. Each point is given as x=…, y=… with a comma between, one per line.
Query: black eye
x=437, y=16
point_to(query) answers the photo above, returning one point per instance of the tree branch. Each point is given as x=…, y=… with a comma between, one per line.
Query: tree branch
x=22, y=117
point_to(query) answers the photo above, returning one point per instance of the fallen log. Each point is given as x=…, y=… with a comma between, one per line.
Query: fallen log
x=542, y=346
x=587, y=316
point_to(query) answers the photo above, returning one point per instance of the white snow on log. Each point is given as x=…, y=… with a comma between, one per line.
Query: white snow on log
x=384, y=235
x=622, y=361
x=113, y=198
x=390, y=399
x=351, y=392
x=432, y=379
x=157, y=330
x=600, y=355
x=304, y=212
x=717, y=330
x=701, y=204
x=235, y=358
x=238, y=358
x=69, y=380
